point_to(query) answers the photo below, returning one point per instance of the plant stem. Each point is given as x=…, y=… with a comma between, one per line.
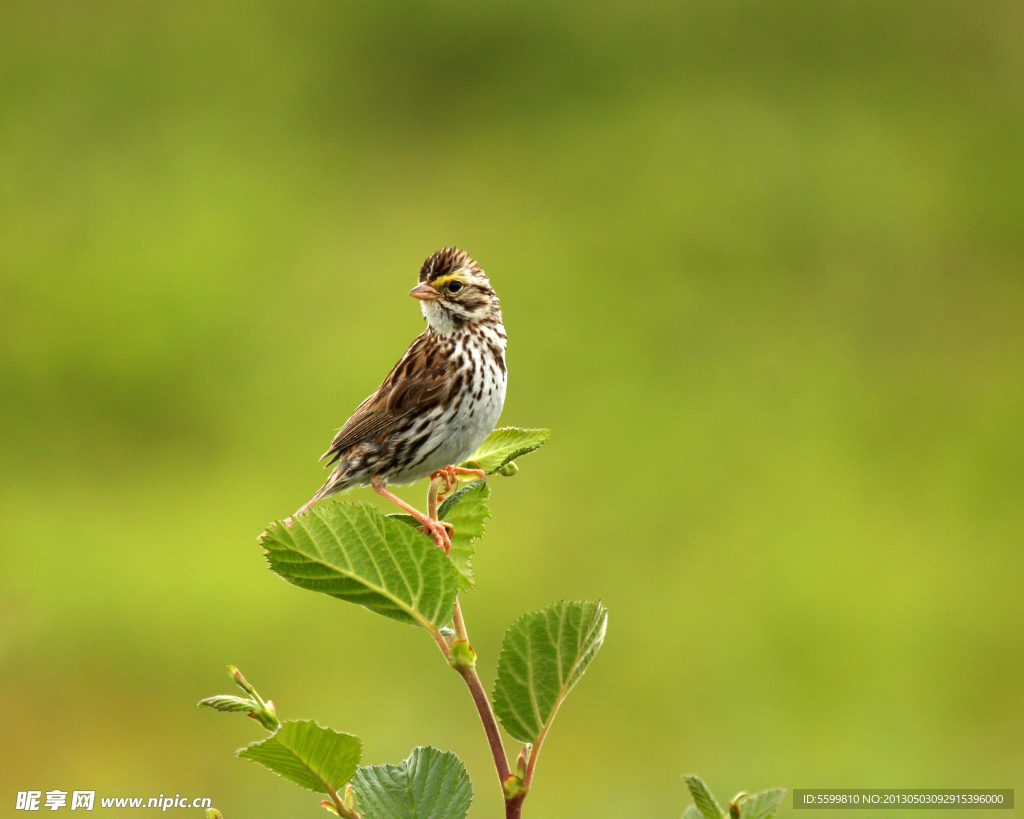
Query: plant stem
x=339, y=803
x=513, y=807
x=460, y=624
x=441, y=644
x=534, y=753
x=432, y=492
x=483, y=706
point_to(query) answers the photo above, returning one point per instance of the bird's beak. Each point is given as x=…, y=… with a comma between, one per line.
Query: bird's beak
x=424, y=292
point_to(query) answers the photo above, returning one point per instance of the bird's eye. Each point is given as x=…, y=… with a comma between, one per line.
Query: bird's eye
x=454, y=287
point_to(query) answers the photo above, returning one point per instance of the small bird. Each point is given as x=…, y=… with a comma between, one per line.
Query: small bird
x=442, y=398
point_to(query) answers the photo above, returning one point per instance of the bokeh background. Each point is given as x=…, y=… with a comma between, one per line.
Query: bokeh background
x=761, y=266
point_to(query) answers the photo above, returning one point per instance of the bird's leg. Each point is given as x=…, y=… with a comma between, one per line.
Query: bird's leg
x=436, y=529
x=451, y=473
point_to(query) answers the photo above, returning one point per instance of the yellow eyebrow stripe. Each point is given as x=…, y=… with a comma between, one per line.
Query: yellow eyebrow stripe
x=441, y=282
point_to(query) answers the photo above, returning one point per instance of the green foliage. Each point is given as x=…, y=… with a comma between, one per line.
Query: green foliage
x=503, y=446
x=353, y=552
x=822, y=201
x=254, y=705
x=702, y=798
x=543, y=656
x=228, y=702
x=309, y=755
x=743, y=806
x=762, y=805
x=430, y=784
x=466, y=510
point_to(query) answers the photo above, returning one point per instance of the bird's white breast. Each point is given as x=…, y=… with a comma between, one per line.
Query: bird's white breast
x=474, y=418
x=463, y=424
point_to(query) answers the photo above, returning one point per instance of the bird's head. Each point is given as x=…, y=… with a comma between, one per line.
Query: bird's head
x=455, y=292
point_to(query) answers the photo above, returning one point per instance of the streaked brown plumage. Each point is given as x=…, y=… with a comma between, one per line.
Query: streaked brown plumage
x=440, y=400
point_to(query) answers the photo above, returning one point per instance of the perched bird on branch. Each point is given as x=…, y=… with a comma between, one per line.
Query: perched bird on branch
x=442, y=398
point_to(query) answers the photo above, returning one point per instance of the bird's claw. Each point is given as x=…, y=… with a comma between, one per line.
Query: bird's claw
x=440, y=531
x=451, y=477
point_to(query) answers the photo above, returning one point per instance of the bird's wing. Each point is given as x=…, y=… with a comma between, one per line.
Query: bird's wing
x=418, y=379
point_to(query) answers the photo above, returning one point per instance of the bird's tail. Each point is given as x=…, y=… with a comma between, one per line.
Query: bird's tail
x=332, y=487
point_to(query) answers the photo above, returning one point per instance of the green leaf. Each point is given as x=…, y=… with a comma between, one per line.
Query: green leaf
x=308, y=755
x=466, y=510
x=762, y=805
x=703, y=799
x=430, y=784
x=543, y=656
x=503, y=446
x=353, y=552
x=692, y=813
x=226, y=702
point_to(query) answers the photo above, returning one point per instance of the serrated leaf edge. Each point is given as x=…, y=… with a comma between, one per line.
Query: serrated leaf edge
x=701, y=793
x=778, y=794
x=602, y=622
x=525, y=450
x=423, y=748
x=401, y=604
x=243, y=704
x=450, y=504
x=328, y=788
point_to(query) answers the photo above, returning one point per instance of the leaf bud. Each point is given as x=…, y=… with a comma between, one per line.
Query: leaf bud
x=462, y=655
x=329, y=805
x=513, y=787
x=242, y=683
x=266, y=719
x=213, y=813
x=736, y=804
x=509, y=469
x=524, y=758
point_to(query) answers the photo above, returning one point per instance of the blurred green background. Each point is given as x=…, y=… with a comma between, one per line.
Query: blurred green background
x=761, y=267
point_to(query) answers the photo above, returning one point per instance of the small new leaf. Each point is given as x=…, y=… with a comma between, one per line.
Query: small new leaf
x=543, y=656
x=762, y=805
x=309, y=755
x=353, y=552
x=503, y=446
x=227, y=702
x=692, y=813
x=703, y=799
x=430, y=784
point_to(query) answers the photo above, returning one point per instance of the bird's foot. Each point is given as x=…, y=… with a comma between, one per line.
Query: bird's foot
x=435, y=529
x=440, y=531
x=451, y=477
